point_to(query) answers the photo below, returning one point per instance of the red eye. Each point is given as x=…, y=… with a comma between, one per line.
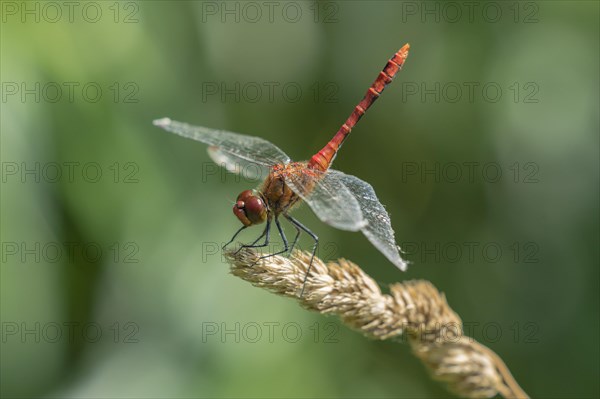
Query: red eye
x=241, y=215
x=250, y=208
x=244, y=195
x=254, y=205
x=255, y=210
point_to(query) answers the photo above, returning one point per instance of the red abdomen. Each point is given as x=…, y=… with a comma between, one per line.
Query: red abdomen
x=322, y=159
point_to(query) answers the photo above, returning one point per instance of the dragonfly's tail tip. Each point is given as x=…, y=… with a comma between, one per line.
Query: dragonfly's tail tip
x=161, y=122
x=404, y=50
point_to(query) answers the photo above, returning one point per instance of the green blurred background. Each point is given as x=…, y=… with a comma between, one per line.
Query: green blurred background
x=112, y=284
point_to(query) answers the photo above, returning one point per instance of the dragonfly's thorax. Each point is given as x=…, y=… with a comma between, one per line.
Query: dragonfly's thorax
x=278, y=195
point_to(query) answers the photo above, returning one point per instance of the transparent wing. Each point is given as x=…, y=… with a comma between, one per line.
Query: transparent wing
x=328, y=197
x=234, y=164
x=248, y=148
x=379, y=229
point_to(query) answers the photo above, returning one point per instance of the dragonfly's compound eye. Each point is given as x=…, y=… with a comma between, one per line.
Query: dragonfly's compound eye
x=250, y=208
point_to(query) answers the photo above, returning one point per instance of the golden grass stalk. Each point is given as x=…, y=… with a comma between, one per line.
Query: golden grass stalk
x=415, y=310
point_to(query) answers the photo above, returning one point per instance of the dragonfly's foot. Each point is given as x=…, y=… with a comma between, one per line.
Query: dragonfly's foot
x=238, y=250
x=270, y=255
x=302, y=290
x=258, y=260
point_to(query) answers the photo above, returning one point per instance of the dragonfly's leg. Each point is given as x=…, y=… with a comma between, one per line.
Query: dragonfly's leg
x=235, y=235
x=314, y=250
x=266, y=233
x=298, y=231
x=259, y=237
x=285, y=242
x=255, y=241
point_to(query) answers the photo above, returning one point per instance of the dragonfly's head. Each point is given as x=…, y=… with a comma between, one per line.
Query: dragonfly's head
x=250, y=208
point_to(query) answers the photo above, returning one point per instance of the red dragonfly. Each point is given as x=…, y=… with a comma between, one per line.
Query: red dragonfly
x=340, y=200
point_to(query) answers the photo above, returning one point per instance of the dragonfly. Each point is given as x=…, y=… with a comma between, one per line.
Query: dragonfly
x=338, y=199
